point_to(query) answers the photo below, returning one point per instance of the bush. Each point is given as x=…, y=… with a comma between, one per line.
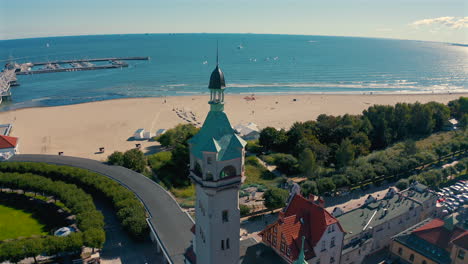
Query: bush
x=308, y=188
x=285, y=163
x=158, y=160
x=135, y=160
x=402, y=184
x=116, y=158
x=275, y=198
x=244, y=210
x=94, y=183
x=325, y=185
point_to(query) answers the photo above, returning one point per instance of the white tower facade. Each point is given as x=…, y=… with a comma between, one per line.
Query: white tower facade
x=217, y=170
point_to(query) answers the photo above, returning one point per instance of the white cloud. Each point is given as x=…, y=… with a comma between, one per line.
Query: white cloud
x=451, y=22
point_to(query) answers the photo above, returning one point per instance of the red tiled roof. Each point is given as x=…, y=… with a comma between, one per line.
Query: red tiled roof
x=8, y=142
x=461, y=240
x=301, y=218
x=435, y=233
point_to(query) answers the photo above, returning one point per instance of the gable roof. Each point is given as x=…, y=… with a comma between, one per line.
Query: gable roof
x=437, y=234
x=302, y=217
x=8, y=142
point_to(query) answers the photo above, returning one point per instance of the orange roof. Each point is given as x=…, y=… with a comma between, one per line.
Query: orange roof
x=435, y=233
x=302, y=217
x=8, y=142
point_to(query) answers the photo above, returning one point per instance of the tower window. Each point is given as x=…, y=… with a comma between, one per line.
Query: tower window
x=332, y=242
x=227, y=243
x=222, y=244
x=225, y=216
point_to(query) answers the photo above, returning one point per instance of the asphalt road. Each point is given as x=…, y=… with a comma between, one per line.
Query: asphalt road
x=166, y=217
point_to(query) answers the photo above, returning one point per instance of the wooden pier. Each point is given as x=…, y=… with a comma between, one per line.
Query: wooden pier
x=76, y=65
x=8, y=75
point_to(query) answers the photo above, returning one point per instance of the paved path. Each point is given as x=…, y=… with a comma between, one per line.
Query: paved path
x=171, y=224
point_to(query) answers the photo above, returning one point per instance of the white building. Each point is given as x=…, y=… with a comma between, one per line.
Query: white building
x=217, y=170
x=249, y=131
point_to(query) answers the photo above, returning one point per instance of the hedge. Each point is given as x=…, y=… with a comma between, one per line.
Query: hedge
x=89, y=221
x=129, y=209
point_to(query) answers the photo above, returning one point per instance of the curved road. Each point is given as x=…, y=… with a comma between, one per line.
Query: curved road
x=167, y=219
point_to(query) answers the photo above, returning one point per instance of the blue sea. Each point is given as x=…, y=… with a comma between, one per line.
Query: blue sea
x=181, y=64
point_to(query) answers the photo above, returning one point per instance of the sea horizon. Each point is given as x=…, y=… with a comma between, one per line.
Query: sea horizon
x=253, y=63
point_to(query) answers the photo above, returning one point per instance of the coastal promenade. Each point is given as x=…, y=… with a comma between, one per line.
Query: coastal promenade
x=170, y=226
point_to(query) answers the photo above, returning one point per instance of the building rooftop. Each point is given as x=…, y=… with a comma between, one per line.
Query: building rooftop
x=301, y=218
x=8, y=142
x=374, y=214
x=217, y=135
x=253, y=252
x=432, y=239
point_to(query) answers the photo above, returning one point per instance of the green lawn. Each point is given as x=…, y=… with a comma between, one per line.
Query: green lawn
x=16, y=223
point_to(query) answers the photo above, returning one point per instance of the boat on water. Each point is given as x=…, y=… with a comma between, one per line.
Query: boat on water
x=240, y=46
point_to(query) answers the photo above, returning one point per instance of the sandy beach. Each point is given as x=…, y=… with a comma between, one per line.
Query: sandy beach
x=79, y=130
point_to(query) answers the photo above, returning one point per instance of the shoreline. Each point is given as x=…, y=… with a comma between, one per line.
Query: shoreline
x=267, y=94
x=81, y=129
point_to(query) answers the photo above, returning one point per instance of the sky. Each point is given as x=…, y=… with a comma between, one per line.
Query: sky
x=431, y=20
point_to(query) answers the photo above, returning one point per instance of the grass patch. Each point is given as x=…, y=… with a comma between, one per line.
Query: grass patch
x=185, y=196
x=256, y=173
x=184, y=192
x=16, y=223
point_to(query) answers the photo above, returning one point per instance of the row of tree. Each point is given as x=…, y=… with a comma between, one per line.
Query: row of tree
x=400, y=161
x=89, y=221
x=14, y=251
x=131, y=213
x=336, y=141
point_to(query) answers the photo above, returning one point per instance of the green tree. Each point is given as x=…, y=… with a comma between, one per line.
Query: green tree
x=178, y=135
x=116, y=158
x=402, y=184
x=268, y=137
x=307, y=163
x=275, y=198
x=94, y=238
x=308, y=188
x=244, y=210
x=325, y=185
x=345, y=153
x=463, y=122
x=135, y=160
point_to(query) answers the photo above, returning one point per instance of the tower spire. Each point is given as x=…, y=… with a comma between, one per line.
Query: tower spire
x=301, y=258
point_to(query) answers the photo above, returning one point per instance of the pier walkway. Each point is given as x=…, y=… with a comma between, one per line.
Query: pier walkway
x=170, y=226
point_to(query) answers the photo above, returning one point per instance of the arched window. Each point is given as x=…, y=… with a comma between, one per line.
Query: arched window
x=228, y=171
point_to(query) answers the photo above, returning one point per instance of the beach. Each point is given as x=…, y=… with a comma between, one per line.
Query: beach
x=81, y=129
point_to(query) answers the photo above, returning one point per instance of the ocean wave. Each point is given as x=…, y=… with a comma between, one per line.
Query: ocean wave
x=403, y=84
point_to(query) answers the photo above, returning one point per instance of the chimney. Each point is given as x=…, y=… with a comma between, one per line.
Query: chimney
x=321, y=202
x=281, y=216
x=311, y=197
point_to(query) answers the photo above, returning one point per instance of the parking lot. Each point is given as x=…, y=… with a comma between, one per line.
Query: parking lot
x=453, y=197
